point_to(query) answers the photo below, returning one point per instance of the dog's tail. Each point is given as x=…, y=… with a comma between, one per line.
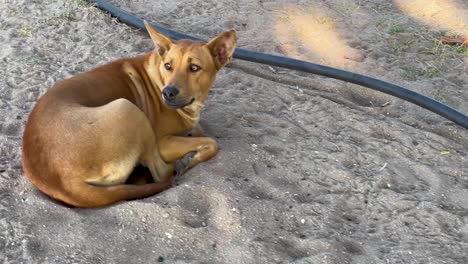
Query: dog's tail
x=90, y=196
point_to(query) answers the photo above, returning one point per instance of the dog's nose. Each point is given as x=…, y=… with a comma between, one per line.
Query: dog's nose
x=170, y=92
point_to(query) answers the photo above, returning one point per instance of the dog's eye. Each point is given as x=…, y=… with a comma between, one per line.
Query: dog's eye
x=194, y=68
x=168, y=66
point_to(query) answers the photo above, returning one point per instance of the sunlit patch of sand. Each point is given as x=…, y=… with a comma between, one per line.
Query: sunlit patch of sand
x=308, y=32
x=440, y=14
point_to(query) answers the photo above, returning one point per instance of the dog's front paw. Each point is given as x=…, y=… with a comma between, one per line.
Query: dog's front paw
x=183, y=164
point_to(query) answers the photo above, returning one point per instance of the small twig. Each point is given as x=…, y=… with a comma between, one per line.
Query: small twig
x=453, y=41
x=383, y=167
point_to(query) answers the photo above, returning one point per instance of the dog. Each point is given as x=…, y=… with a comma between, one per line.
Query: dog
x=86, y=134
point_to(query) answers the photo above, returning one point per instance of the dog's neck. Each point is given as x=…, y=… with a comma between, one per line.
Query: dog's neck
x=190, y=115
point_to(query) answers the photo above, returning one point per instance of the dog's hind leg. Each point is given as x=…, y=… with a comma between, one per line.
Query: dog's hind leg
x=150, y=156
x=159, y=169
x=125, y=139
x=116, y=172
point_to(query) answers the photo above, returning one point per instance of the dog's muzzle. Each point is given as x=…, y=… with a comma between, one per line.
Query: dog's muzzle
x=171, y=98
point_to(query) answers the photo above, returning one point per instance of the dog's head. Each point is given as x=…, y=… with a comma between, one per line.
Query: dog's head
x=188, y=68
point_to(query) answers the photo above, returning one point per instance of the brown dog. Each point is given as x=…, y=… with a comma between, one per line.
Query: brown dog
x=87, y=133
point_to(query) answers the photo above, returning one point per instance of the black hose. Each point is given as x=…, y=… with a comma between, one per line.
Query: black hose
x=293, y=64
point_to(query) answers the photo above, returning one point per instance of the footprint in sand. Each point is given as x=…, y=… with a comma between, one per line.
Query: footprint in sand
x=207, y=207
x=11, y=127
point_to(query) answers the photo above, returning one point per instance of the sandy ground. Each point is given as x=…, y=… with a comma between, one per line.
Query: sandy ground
x=310, y=170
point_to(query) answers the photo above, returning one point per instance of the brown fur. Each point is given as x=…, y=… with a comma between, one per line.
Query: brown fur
x=87, y=133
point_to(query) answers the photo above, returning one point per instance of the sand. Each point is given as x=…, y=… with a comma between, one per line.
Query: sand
x=310, y=170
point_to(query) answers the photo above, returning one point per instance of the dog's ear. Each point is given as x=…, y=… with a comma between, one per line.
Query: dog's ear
x=222, y=47
x=162, y=42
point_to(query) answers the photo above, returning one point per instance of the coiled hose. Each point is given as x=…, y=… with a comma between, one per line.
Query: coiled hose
x=293, y=64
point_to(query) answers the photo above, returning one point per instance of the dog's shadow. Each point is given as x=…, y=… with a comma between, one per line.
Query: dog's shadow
x=139, y=176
